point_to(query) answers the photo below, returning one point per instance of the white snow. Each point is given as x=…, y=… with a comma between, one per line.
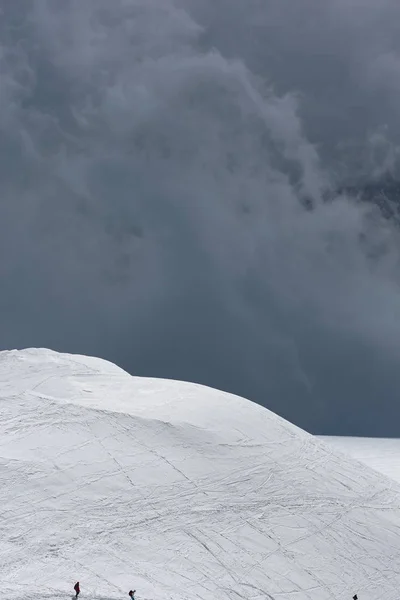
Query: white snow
x=381, y=454
x=179, y=491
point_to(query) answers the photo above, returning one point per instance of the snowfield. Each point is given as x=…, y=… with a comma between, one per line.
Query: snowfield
x=179, y=491
x=378, y=453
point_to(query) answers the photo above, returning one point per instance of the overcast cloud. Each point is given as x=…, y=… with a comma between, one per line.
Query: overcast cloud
x=158, y=161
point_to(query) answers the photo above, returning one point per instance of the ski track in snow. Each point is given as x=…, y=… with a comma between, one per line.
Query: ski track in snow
x=179, y=491
x=381, y=454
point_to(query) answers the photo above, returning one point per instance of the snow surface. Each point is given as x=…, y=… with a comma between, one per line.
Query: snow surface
x=179, y=491
x=380, y=454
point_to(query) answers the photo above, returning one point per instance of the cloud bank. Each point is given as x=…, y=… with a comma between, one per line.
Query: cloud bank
x=169, y=182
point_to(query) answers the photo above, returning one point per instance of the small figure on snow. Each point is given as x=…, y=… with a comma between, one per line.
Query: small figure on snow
x=132, y=594
x=77, y=589
x=355, y=597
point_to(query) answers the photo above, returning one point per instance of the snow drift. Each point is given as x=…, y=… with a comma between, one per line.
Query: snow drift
x=178, y=490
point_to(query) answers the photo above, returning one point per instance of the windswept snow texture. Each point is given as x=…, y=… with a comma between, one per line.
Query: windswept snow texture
x=380, y=454
x=181, y=491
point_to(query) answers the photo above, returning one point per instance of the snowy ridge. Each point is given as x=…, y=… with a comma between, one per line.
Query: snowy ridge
x=179, y=491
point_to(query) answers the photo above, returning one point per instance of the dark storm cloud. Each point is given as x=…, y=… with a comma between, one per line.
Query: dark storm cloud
x=340, y=57
x=157, y=159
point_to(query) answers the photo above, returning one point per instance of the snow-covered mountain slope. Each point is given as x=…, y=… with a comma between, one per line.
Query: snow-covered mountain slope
x=178, y=490
x=381, y=454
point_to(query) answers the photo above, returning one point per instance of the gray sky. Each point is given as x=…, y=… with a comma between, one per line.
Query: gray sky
x=155, y=160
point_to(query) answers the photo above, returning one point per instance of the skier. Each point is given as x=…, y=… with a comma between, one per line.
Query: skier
x=77, y=589
x=132, y=594
x=355, y=597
